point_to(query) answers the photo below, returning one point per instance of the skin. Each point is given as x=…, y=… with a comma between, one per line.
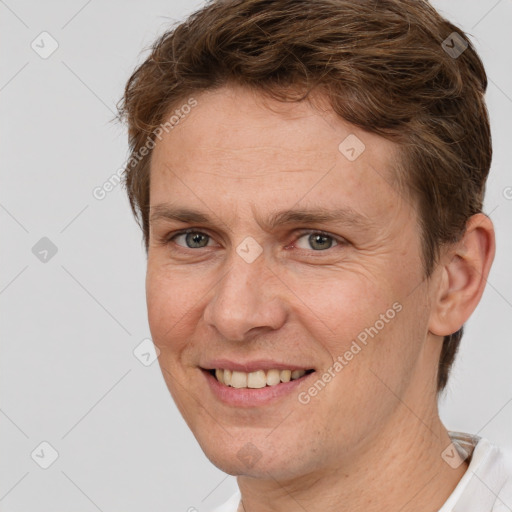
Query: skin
x=372, y=438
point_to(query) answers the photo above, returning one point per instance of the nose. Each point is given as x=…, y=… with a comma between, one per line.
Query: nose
x=247, y=300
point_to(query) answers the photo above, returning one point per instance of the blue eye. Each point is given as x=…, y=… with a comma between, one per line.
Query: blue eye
x=193, y=239
x=318, y=241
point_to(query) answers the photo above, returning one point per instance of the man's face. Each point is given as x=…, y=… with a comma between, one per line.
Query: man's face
x=241, y=289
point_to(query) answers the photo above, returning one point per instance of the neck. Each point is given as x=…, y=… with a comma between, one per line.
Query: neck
x=401, y=469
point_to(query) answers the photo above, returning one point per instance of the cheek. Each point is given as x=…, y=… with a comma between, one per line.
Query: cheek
x=170, y=303
x=363, y=323
x=344, y=300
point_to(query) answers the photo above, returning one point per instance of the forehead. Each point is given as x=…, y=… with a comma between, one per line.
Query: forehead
x=233, y=117
x=244, y=146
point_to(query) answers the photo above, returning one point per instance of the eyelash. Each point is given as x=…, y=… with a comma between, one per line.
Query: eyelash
x=339, y=241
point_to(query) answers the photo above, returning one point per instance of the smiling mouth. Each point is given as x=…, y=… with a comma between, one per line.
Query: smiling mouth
x=258, y=379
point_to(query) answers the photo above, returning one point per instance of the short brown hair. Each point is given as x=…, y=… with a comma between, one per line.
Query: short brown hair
x=384, y=65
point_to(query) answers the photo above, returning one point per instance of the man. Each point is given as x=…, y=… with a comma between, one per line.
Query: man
x=309, y=178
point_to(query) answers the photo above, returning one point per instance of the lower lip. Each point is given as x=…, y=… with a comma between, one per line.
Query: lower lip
x=247, y=397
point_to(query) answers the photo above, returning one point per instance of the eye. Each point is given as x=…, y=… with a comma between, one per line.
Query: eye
x=318, y=240
x=193, y=239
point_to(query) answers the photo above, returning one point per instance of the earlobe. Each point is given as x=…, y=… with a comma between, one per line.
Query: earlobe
x=463, y=276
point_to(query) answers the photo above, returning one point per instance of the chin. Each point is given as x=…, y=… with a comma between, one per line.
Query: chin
x=244, y=458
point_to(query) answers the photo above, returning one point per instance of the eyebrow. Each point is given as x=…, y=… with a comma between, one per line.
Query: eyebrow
x=345, y=216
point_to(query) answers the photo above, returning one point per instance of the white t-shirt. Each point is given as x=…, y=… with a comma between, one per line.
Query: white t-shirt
x=485, y=487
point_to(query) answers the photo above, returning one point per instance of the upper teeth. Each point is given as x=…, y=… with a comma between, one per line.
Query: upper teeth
x=257, y=379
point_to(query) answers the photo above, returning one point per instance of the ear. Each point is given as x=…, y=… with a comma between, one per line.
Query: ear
x=463, y=276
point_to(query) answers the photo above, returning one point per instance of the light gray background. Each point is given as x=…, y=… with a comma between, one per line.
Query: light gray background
x=69, y=326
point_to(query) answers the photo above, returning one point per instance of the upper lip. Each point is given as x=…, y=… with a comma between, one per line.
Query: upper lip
x=252, y=366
